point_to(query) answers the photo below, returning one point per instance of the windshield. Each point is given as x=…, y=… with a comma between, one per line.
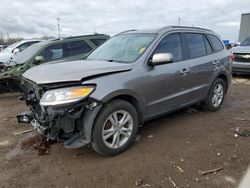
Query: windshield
x=28, y=53
x=123, y=48
x=246, y=42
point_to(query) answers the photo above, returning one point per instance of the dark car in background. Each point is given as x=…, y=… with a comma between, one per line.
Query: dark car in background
x=65, y=49
x=132, y=78
x=241, y=55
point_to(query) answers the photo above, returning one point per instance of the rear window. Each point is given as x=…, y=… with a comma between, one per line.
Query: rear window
x=196, y=45
x=78, y=47
x=97, y=42
x=217, y=44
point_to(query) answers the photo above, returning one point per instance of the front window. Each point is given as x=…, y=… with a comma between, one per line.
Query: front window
x=246, y=42
x=53, y=52
x=125, y=48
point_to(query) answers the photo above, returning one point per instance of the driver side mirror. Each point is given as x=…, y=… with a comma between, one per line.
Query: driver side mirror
x=161, y=58
x=38, y=60
x=15, y=51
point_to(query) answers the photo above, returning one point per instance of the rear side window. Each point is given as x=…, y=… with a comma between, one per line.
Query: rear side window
x=78, y=47
x=208, y=46
x=171, y=44
x=217, y=44
x=97, y=42
x=196, y=45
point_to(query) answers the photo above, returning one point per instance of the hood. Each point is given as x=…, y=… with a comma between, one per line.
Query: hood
x=4, y=57
x=241, y=49
x=72, y=71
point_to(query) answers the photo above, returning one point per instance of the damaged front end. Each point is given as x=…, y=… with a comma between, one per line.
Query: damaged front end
x=62, y=112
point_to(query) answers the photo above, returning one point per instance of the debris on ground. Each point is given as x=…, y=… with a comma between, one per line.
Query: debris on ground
x=137, y=138
x=151, y=136
x=210, y=171
x=4, y=143
x=218, y=154
x=239, y=132
x=23, y=132
x=241, y=119
x=38, y=143
x=138, y=182
x=230, y=179
x=180, y=170
x=172, y=182
x=191, y=110
x=5, y=119
x=78, y=154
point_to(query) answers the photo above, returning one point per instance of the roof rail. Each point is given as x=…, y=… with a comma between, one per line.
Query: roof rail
x=96, y=34
x=126, y=31
x=189, y=27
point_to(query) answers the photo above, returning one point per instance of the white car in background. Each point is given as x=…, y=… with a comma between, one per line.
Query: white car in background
x=7, y=53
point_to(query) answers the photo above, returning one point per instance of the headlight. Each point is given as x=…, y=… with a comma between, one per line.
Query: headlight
x=65, y=95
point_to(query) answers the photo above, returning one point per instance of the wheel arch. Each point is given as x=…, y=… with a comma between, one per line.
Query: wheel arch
x=225, y=78
x=134, y=101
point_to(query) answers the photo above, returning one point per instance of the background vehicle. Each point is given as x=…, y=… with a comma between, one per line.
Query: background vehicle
x=241, y=63
x=7, y=53
x=69, y=48
x=2, y=47
x=133, y=77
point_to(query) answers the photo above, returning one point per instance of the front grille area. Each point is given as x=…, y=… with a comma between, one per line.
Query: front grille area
x=242, y=57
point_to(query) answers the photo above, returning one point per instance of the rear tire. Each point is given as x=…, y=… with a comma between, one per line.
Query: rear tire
x=115, y=128
x=215, y=96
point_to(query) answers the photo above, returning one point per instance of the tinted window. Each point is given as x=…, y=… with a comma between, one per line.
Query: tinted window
x=218, y=46
x=246, y=42
x=78, y=47
x=25, y=45
x=196, y=45
x=208, y=46
x=98, y=42
x=53, y=52
x=171, y=44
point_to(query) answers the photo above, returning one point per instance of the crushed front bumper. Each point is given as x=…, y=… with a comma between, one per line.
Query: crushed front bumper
x=70, y=123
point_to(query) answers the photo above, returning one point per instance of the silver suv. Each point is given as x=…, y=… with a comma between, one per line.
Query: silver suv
x=133, y=77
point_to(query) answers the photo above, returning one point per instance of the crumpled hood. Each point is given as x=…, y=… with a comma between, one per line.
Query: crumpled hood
x=5, y=57
x=72, y=71
x=241, y=49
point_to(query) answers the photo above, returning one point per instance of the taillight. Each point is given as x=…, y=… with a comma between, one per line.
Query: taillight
x=231, y=57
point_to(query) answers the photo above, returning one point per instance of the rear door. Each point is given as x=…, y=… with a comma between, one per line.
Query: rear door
x=202, y=65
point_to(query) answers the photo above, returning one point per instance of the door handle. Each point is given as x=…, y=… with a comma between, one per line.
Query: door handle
x=184, y=71
x=215, y=62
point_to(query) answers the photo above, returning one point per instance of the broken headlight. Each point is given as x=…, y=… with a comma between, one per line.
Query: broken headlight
x=65, y=95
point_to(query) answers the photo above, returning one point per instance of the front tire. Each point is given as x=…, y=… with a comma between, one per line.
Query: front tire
x=215, y=96
x=115, y=128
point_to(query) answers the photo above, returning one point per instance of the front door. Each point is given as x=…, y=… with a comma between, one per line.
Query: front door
x=165, y=87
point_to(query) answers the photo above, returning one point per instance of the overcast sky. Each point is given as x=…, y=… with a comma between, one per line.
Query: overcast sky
x=30, y=18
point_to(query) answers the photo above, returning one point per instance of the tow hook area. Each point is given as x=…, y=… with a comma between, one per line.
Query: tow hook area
x=25, y=117
x=37, y=126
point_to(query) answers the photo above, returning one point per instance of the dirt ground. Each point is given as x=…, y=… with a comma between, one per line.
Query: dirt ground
x=174, y=149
